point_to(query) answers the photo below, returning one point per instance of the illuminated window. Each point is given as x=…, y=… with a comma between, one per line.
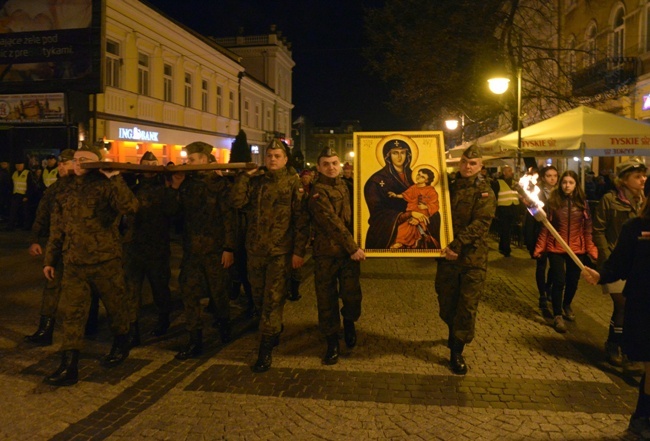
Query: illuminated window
x=231, y=105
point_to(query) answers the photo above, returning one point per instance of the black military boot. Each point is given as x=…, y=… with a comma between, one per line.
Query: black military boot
x=349, y=333
x=332, y=353
x=43, y=335
x=162, y=325
x=134, y=335
x=194, y=347
x=457, y=361
x=68, y=372
x=119, y=351
x=225, y=329
x=264, y=358
x=294, y=290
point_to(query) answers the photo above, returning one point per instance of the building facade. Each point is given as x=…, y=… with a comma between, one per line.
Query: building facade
x=155, y=85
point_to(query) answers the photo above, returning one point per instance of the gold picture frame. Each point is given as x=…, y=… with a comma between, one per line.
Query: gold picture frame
x=401, y=193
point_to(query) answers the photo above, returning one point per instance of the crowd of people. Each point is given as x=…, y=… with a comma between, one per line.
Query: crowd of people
x=22, y=186
x=601, y=233
x=252, y=230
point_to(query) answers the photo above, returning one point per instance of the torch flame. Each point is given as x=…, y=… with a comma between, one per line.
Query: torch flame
x=528, y=183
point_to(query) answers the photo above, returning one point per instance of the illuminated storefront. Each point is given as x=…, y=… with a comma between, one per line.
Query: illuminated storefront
x=127, y=142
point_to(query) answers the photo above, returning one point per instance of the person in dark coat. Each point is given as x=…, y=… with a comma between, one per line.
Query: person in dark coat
x=630, y=261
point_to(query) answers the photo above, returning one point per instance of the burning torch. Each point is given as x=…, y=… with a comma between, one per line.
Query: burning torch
x=530, y=192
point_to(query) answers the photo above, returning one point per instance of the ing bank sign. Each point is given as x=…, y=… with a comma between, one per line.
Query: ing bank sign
x=137, y=134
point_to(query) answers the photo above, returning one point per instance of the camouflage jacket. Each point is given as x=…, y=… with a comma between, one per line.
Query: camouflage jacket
x=85, y=220
x=41, y=225
x=147, y=231
x=331, y=215
x=473, y=205
x=209, y=223
x=278, y=222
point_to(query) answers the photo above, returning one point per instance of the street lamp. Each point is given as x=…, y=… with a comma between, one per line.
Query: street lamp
x=452, y=124
x=499, y=86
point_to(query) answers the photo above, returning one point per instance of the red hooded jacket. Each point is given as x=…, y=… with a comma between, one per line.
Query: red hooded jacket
x=574, y=226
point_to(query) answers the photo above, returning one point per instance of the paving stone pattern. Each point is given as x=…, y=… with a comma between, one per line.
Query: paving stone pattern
x=525, y=381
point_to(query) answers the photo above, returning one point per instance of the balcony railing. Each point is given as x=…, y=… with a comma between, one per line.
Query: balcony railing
x=605, y=74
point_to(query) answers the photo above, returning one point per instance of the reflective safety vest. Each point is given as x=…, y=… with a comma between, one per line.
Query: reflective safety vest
x=20, y=181
x=50, y=176
x=507, y=196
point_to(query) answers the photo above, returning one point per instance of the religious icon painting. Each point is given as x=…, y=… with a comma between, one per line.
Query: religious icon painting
x=401, y=194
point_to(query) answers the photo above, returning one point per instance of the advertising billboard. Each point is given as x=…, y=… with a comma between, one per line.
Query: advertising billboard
x=50, y=45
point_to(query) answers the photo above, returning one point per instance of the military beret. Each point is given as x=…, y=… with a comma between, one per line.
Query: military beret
x=278, y=144
x=629, y=166
x=347, y=166
x=66, y=155
x=148, y=156
x=50, y=156
x=327, y=152
x=198, y=147
x=305, y=172
x=92, y=149
x=473, y=152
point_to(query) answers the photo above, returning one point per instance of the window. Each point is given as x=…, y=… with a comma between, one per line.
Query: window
x=143, y=74
x=188, y=89
x=168, y=83
x=258, y=117
x=571, y=55
x=231, y=105
x=113, y=64
x=268, y=120
x=331, y=143
x=618, y=35
x=204, y=96
x=219, y=101
x=246, y=113
x=590, y=46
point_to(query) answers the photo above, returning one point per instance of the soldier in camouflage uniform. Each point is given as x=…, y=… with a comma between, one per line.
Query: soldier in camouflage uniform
x=146, y=246
x=276, y=238
x=336, y=256
x=85, y=234
x=208, y=247
x=40, y=228
x=461, y=274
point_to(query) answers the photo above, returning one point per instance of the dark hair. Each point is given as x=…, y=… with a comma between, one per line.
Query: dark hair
x=557, y=197
x=543, y=170
x=429, y=173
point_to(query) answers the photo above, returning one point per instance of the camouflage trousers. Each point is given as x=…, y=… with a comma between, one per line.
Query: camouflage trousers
x=204, y=276
x=459, y=290
x=268, y=277
x=156, y=270
x=336, y=277
x=52, y=293
x=77, y=285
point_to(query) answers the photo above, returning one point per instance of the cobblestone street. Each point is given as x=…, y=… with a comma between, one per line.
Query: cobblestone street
x=525, y=381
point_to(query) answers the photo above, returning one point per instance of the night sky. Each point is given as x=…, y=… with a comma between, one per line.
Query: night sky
x=330, y=80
